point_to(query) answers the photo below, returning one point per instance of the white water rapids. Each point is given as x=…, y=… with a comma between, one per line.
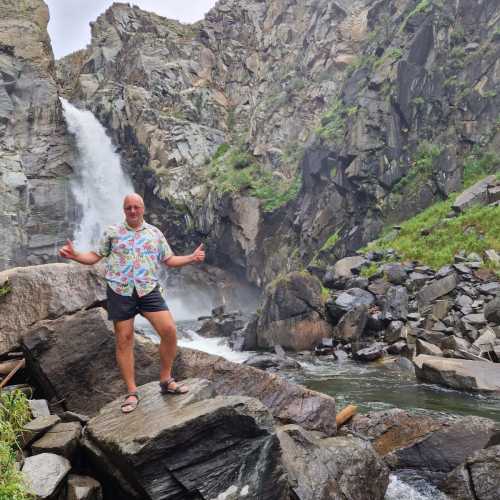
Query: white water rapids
x=100, y=184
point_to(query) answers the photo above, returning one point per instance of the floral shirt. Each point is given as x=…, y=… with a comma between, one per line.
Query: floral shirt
x=133, y=257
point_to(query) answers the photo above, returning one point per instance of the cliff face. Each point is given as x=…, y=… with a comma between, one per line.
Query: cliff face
x=35, y=152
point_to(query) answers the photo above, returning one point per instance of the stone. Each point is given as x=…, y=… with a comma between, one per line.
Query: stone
x=292, y=314
x=417, y=280
x=334, y=468
x=475, y=319
x=352, y=324
x=440, y=309
x=492, y=256
x=62, y=439
x=44, y=473
x=424, y=347
x=492, y=311
x=76, y=353
x=396, y=303
x=462, y=268
x=60, y=289
x=83, y=488
x=348, y=300
x=287, y=402
x=37, y=426
x=192, y=444
x=346, y=267
x=477, y=194
x=394, y=331
x=394, y=273
x=39, y=407
x=436, y=289
x=492, y=288
x=458, y=374
x=375, y=351
x=265, y=361
x=397, y=348
x=71, y=416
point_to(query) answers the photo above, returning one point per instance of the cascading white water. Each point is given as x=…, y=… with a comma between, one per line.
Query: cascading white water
x=100, y=184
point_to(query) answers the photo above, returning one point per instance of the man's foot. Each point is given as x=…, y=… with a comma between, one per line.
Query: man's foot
x=170, y=386
x=130, y=403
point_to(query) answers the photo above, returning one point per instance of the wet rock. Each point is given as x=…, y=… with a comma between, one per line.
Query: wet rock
x=83, y=488
x=352, y=324
x=477, y=479
x=221, y=326
x=266, y=361
x=246, y=338
x=375, y=351
x=347, y=301
x=189, y=445
x=396, y=303
x=492, y=311
x=292, y=314
x=62, y=439
x=436, y=289
x=394, y=331
x=458, y=373
x=334, y=468
x=397, y=348
x=44, y=473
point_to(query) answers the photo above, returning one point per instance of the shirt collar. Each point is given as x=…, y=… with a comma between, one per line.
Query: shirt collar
x=140, y=228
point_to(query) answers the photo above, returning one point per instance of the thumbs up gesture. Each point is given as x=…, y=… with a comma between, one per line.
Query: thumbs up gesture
x=199, y=254
x=68, y=251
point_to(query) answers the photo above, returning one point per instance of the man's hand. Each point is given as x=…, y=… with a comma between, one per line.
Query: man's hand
x=68, y=251
x=199, y=254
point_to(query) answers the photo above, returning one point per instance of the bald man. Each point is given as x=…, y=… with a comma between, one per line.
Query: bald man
x=134, y=251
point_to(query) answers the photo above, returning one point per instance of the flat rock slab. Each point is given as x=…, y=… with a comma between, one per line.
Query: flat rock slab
x=38, y=426
x=458, y=373
x=436, y=289
x=62, y=439
x=333, y=468
x=39, y=407
x=188, y=446
x=287, y=402
x=44, y=473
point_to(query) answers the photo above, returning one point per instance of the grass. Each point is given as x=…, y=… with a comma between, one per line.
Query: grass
x=233, y=170
x=478, y=165
x=14, y=413
x=369, y=271
x=330, y=242
x=476, y=230
x=5, y=289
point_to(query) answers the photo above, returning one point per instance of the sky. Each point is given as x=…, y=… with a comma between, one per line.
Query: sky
x=69, y=28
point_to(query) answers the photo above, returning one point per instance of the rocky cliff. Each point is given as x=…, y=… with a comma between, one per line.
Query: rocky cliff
x=291, y=131
x=36, y=156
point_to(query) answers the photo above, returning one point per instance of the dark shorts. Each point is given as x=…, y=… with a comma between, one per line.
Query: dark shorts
x=122, y=307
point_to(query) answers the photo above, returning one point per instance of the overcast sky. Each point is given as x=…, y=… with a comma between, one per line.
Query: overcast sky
x=69, y=19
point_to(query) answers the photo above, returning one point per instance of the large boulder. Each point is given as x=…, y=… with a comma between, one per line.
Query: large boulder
x=47, y=291
x=492, y=311
x=436, y=289
x=336, y=468
x=477, y=194
x=288, y=402
x=189, y=446
x=476, y=479
x=458, y=373
x=293, y=313
x=73, y=359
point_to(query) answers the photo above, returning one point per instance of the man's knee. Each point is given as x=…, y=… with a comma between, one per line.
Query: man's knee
x=168, y=330
x=124, y=336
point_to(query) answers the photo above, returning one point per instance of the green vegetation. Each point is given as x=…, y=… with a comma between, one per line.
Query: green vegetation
x=14, y=413
x=333, y=121
x=422, y=167
x=5, y=289
x=393, y=54
x=330, y=242
x=422, y=7
x=476, y=230
x=369, y=271
x=234, y=170
x=480, y=164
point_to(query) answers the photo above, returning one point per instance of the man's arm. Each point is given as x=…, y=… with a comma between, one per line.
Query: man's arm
x=68, y=252
x=183, y=260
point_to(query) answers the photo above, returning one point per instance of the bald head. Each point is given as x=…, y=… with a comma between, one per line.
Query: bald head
x=133, y=206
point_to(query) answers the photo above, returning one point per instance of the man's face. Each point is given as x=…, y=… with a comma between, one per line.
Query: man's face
x=134, y=211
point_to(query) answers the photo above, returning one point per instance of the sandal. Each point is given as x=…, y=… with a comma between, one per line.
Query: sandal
x=132, y=405
x=178, y=389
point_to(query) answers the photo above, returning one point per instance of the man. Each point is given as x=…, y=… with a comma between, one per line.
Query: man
x=134, y=251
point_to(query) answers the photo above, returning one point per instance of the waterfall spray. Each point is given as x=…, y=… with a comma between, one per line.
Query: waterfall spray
x=100, y=184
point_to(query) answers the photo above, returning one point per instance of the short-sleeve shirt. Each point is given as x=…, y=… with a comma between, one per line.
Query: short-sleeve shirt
x=134, y=257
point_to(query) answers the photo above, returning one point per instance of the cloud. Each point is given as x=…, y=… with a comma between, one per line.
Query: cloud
x=69, y=28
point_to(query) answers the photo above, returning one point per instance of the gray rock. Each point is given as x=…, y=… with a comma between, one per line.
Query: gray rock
x=397, y=347
x=492, y=256
x=394, y=331
x=231, y=439
x=344, y=268
x=436, y=289
x=394, y=273
x=424, y=347
x=492, y=311
x=83, y=488
x=477, y=479
x=477, y=194
x=62, y=439
x=375, y=351
x=458, y=373
x=462, y=268
x=396, y=303
x=489, y=288
x=39, y=407
x=417, y=280
x=347, y=301
x=265, y=361
x=44, y=473
x=334, y=468
x=352, y=324
x=440, y=309
x=37, y=426
x=475, y=319
x=444, y=271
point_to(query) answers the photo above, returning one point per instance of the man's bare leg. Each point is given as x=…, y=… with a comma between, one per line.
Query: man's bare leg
x=164, y=324
x=124, y=332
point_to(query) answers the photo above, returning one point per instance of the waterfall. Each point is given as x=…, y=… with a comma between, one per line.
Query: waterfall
x=100, y=184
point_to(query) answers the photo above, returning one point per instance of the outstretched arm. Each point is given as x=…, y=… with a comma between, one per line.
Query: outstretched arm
x=183, y=260
x=68, y=252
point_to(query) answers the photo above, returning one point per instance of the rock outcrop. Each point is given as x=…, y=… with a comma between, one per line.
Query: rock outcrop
x=36, y=153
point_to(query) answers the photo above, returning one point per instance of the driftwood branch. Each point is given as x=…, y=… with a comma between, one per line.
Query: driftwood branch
x=20, y=364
